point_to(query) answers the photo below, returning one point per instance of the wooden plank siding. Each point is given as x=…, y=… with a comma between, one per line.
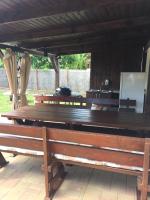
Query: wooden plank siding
x=107, y=61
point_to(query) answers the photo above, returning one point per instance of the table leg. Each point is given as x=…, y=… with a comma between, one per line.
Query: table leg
x=3, y=162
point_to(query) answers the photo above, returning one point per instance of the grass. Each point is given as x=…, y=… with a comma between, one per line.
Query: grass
x=30, y=97
x=6, y=104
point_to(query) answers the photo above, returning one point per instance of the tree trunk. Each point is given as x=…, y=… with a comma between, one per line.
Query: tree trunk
x=37, y=79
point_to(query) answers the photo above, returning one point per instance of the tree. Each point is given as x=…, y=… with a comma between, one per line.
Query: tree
x=39, y=62
x=75, y=61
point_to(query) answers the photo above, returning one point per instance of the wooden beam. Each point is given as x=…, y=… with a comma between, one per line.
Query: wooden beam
x=22, y=50
x=63, y=42
x=100, y=27
x=86, y=48
x=21, y=11
x=73, y=49
x=77, y=40
x=103, y=39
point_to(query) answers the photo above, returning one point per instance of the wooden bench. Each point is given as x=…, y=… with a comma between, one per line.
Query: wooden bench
x=121, y=154
x=81, y=102
x=74, y=101
x=29, y=141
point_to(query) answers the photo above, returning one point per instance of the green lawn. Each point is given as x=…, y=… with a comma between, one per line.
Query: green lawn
x=5, y=104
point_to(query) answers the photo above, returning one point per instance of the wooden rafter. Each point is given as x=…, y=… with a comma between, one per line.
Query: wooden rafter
x=66, y=42
x=53, y=8
x=87, y=39
x=88, y=28
x=66, y=48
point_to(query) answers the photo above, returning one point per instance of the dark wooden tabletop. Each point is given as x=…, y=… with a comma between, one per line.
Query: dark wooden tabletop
x=127, y=120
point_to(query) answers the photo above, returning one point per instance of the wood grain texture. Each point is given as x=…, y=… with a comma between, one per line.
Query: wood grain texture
x=122, y=120
x=98, y=140
x=108, y=60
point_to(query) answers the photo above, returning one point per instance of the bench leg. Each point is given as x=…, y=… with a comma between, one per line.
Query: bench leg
x=143, y=186
x=138, y=188
x=58, y=177
x=54, y=176
x=138, y=194
x=53, y=170
x=3, y=162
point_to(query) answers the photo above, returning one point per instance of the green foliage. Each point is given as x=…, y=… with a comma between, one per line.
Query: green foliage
x=4, y=102
x=1, y=64
x=39, y=62
x=75, y=61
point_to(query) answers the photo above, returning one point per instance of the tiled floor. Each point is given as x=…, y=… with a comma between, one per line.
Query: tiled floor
x=23, y=179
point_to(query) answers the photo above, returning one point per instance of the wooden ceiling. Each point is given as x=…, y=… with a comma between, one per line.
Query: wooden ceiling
x=65, y=26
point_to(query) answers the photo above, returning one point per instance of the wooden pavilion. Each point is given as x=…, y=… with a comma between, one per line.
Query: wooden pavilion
x=116, y=32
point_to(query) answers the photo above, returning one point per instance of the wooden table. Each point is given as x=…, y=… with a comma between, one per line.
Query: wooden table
x=84, y=117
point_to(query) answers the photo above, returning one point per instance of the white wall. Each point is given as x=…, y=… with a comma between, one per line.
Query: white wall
x=77, y=80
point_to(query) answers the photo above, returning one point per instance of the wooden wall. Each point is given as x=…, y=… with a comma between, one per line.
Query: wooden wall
x=107, y=61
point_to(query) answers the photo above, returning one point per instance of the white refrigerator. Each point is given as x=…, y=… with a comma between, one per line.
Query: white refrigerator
x=132, y=86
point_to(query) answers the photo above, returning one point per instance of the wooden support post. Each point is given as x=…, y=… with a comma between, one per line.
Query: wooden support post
x=3, y=162
x=147, y=85
x=55, y=63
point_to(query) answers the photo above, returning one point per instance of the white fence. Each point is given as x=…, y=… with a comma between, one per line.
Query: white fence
x=76, y=80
